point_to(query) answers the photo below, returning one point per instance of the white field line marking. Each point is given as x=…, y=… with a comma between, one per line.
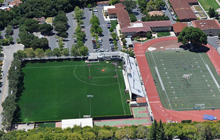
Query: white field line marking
x=161, y=81
x=210, y=72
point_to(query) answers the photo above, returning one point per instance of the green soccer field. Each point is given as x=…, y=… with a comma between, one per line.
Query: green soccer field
x=184, y=79
x=58, y=90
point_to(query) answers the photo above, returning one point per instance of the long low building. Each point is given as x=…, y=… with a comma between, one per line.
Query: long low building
x=183, y=10
x=138, y=28
x=210, y=27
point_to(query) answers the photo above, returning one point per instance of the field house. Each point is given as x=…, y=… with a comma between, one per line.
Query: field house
x=70, y=89
x=181, y=84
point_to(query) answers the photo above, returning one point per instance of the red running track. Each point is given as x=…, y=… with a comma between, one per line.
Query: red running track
x=159, y=112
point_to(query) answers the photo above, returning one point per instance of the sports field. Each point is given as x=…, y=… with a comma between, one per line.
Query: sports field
x=58, y=90
x=185, y=80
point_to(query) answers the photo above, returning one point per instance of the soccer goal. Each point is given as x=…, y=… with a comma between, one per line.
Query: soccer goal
x=199, y=106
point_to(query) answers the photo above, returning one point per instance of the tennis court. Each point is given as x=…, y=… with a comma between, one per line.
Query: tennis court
x=122, y=122
x=184, y=80
x=59, y=90
x=139, y=112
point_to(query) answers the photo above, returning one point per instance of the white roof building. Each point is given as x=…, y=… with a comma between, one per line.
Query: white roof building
x=80, y=122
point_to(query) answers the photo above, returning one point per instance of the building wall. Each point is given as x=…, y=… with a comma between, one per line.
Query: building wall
x=112, y=15
x=155, y=29
x=214, y=32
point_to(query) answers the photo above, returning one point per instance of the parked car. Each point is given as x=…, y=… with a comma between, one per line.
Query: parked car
x=66, y=39
x=109, y=26
x=95, y=10
x=101, y=50
x=107, y=50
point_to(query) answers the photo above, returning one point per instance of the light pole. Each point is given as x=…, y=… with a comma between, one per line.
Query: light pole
x=90, y=96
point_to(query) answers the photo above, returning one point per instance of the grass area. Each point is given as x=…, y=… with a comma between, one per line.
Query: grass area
x=49, y=20
x=58, y=90
x=184, y=93
x=197, y=7
x=114, y=23
x=161, y=34
x=206, y=4
x=44, y=125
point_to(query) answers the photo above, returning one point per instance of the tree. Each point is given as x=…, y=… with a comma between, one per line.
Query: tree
x=49, y=52
x=30, y=53
x=141, y=132
x=14, y=22
x=111, y=29
x=89, y=6
x=56, y=52
x=39, y=43
x=20, y=54
x=75, y=136
x=39, y=52
x=133, y=18
x=74, y=51
x=89, y=136
x=31, y=25
x=66, y=52
x=9, y=30
x=161, y=133
x=113, y=2
x=211, y=12
x=193, y=35
x=149, y=35
x=104, y=134
x=45, y=29
x=130, y=5
x=83, y=51
x=153, y=131
x=78, y=13
x=10, y=40
x=60, y=27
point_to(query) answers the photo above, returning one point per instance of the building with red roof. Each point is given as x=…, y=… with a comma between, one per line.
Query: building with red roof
x=183, y=10
x=178, y=27
x=210, y=27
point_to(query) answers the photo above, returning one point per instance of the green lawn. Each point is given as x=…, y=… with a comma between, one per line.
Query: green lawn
x=114, y=23
x=58, y=90
x=184, y=93
x=161, y=34
x=206, y=4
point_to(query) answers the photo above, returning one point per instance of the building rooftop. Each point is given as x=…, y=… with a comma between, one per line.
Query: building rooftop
x=206, y=24
x=141, y=100
x=183, y=9
x=179, y=26
x=102, y=2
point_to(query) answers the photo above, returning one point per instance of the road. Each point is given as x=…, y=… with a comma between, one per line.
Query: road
x=167, y=12
x=88, y=40
x=8, y=57
x=212, y=41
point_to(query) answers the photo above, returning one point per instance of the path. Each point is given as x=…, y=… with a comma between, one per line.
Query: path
x=8, y=57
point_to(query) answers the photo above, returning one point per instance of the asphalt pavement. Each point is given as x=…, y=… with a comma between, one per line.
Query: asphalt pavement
x=86, y=18
x=72, y=26
x=8, y=57
x=167, y=12
x=137, y=13
x=212, y=40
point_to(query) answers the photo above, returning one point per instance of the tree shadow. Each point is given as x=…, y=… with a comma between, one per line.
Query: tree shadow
x=197, y=49
x=20, y=89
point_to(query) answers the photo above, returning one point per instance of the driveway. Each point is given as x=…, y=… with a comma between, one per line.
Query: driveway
x=70, y=31
x=106, y=33
x=87, y=17
x=137, y=13
x=8, y=57
x=212, y=41
x=167, y=12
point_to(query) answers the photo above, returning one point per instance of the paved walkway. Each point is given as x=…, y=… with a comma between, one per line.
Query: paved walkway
x=8, y=57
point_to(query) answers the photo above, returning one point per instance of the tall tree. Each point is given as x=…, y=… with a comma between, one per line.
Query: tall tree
x=39, y=52
x=153, y=130
x=130, y=5
x=161, y=133
x=56, y=52
x=193, y=35
x=66, y=52
x=45, y=28
x=211, y=12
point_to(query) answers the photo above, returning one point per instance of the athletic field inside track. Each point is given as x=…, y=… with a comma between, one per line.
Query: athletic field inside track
x=184, y=80
x=58, y=90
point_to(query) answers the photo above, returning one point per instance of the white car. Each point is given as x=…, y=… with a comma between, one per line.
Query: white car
x=95, y=10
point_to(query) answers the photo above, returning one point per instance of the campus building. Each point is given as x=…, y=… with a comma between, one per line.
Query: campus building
x=183, y=10
x=133, y=29
x=210, y=27
x=178, y=27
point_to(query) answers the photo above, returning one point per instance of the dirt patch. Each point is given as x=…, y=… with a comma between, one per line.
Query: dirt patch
x=162, y=46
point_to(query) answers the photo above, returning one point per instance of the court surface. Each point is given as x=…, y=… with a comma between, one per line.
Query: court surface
x=184, y=80
x=59, y=90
